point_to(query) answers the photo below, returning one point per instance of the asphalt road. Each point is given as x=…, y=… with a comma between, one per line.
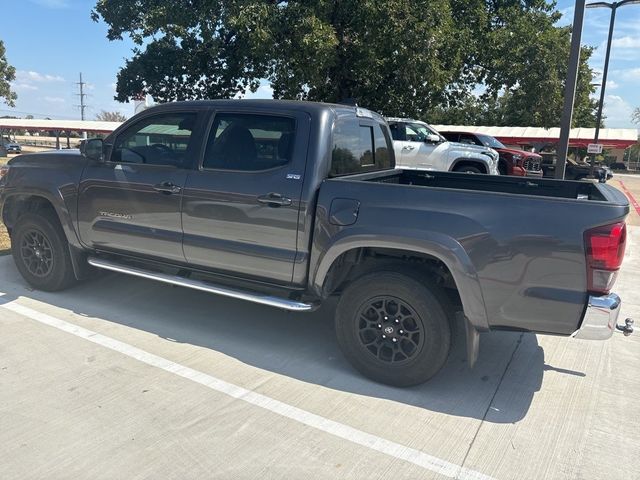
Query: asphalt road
x=126, y=378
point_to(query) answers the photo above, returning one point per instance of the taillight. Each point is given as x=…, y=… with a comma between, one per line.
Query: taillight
x=604, y=248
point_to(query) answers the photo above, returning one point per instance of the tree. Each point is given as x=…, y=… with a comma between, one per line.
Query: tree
x=420, y=58
x=520, y=59
x=7, y=75
x=635, y=116
x=391, y=55
x=105, y=116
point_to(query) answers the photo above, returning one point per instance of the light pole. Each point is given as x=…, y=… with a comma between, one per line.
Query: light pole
x=613, y=6
x=570, y=88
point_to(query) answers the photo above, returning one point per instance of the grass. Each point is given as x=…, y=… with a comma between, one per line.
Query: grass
x=5, y=244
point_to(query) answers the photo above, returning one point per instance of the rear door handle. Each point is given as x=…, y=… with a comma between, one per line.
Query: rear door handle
x=274, y=200
x=167, y=188
x=408, y=147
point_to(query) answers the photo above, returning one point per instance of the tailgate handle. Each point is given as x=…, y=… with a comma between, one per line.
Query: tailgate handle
x=274, y=200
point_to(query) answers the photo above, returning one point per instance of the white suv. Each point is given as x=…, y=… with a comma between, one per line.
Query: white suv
x=418, y=146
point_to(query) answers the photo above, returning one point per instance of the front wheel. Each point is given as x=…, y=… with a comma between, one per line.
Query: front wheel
x=41, y=253
x=467, y=169
x=393, y=328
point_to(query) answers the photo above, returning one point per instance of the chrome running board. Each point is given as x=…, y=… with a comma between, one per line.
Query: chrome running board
x=290, y=305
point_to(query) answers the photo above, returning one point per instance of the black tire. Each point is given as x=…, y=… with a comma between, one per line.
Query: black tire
x=361, y=321
x=468, y=169
x=41, y=252
x=502, y=169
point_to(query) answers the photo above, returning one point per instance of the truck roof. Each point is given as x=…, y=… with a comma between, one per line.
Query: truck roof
x=297, y=105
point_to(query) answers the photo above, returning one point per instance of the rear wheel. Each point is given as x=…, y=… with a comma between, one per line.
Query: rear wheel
x=393, y=328
x=41, y=252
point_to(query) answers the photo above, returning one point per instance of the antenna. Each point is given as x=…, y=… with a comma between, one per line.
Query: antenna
x=82, y=96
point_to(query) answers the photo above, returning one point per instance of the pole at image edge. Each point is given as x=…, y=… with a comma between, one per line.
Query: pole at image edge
x=570, y=88
x=604, y=81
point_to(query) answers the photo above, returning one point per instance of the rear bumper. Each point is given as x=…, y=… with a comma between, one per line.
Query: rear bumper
x=600, y=319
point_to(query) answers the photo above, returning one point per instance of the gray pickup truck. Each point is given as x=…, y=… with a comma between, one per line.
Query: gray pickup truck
x=288, y=203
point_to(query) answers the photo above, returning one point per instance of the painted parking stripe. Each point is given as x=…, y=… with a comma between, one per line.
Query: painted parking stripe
x=630, y=196
x=318, y=422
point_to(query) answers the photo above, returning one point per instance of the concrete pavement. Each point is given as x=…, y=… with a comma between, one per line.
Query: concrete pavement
x=126, y=378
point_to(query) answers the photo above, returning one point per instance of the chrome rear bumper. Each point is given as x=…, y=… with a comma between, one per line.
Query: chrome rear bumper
x=600, y=319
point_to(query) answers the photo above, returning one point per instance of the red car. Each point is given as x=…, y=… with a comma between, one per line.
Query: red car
x=512, y=161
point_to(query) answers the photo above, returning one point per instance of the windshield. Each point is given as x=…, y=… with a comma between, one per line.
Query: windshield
x=489, y=141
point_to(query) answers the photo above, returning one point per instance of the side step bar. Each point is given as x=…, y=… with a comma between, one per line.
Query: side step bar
x=290, y=305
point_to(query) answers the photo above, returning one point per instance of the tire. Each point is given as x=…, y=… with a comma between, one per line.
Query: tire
x=422, y=330
x=41, y=252
x=502, y=169
x=468, y=169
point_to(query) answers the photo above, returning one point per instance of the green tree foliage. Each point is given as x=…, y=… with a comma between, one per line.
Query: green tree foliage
x=7, y=75
x=419, y=58
x=635, y=116
x=106, y=116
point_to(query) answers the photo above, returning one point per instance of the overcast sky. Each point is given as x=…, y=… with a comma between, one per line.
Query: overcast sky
x=51, y=41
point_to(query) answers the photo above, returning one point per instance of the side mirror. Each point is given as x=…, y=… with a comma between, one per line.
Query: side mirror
x=432, y=138
x=93, y=149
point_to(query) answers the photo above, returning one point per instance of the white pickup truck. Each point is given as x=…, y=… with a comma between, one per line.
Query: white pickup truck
x=419, y=146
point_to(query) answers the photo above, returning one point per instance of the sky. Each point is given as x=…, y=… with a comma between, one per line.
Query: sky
x=51, y=41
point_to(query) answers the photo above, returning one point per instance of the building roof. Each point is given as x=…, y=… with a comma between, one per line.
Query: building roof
x=579, y=137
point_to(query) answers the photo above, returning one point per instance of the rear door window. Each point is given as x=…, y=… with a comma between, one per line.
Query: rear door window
x=249, y=142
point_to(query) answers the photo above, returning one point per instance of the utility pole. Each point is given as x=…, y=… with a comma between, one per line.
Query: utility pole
x=82, y=105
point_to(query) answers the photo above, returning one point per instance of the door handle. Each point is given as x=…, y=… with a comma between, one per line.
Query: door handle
x=274, y=200
x=167, y=188
x=408, y=147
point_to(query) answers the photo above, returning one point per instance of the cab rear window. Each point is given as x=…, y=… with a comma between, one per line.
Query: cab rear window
x=360, y=146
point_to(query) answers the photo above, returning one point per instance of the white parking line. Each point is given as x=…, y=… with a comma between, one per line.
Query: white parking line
x=318, y=422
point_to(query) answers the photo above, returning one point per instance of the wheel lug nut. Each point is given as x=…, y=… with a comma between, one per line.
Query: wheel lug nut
x=394, y=340
x=379, y=326
x=397, y=321
x=386, y=318
x=384, y=336
x=401, y=331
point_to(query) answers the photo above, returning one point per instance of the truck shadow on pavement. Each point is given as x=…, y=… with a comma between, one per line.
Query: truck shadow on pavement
x=499, y=389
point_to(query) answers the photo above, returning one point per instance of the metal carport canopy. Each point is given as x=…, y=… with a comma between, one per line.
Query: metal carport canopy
x=579, y=137
x=58, y=125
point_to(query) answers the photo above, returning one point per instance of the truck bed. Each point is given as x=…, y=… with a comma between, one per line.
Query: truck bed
x=578, y=190
x=520, y=239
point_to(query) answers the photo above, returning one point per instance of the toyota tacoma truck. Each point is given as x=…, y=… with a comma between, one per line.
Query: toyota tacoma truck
x=286, y=204
x=512, y=161
x=419, y=146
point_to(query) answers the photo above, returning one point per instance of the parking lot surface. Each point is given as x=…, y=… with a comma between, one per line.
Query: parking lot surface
x=126, y=378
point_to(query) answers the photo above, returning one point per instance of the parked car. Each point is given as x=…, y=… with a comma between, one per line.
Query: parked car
x=12, y=147
x=419, y=146
x=573, y=170
x=512, y=161
x=619, y=166
x=287, y=203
